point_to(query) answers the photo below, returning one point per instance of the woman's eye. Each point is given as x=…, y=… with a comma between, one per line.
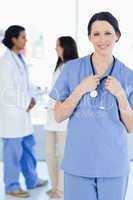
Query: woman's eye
x=108, y=33
x=96, y=34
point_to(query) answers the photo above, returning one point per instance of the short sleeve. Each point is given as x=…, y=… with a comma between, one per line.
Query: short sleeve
x=130, y=96
x=60, y=91
x=129, y=88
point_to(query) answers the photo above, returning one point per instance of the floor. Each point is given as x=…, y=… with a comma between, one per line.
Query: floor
x=37, y=194
x=40, y=194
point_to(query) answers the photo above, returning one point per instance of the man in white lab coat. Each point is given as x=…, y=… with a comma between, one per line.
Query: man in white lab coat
x=15, y=122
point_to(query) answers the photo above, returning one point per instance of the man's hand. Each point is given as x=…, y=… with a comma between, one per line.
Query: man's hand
x=31, y=105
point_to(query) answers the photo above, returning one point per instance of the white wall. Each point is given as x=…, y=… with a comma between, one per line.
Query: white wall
x=49, y=18
x=124, y=13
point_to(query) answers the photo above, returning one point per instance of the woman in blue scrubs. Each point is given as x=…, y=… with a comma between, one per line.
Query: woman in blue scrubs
x=96, y=94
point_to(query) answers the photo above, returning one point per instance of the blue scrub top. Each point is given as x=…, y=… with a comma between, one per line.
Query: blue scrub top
x=96, y=144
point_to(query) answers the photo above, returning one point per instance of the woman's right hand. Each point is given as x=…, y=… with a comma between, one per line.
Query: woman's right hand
x=89, y=84
x=63, y=110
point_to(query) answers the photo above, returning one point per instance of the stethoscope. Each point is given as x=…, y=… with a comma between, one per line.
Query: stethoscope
x=94, y=93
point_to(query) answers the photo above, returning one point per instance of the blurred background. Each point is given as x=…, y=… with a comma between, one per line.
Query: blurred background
x=45, y=21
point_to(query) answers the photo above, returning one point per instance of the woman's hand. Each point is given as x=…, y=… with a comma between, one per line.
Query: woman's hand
x=63, y=110
x=114, y=86
x=89, y=84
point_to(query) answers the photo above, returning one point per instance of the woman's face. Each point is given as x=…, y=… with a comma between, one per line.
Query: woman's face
x=103, y=37
x=59, y=50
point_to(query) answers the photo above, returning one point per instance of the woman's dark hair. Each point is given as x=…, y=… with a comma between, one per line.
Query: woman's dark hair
x=12, y=32
x=104, y=16
x=70, y=50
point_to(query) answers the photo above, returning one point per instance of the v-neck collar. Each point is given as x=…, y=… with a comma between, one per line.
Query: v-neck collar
x=89, y=68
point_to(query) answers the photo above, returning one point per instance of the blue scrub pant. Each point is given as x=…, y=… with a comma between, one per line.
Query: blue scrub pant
x=18, y=156
x=84, y=188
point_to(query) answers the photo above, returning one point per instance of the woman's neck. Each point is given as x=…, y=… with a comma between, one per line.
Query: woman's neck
x=102, y=62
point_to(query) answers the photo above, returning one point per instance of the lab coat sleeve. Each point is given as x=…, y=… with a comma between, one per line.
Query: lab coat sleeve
x=11, y=95
x=32, y=89
x=60, y=90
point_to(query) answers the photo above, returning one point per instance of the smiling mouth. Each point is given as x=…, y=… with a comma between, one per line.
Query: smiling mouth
x=103, y=46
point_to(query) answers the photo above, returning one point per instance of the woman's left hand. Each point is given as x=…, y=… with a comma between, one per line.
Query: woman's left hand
x=114, y=86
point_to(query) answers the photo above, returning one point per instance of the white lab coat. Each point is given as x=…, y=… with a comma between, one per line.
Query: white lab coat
x=15, y=97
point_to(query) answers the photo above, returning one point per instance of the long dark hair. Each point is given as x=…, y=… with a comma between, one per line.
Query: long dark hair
x=70, y=50
x=12, y=32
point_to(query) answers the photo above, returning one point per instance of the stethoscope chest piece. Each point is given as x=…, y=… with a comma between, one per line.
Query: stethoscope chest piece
x=94, y=94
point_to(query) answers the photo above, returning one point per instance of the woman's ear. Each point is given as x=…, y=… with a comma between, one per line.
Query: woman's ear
x=89, y=37
x=118, y=35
